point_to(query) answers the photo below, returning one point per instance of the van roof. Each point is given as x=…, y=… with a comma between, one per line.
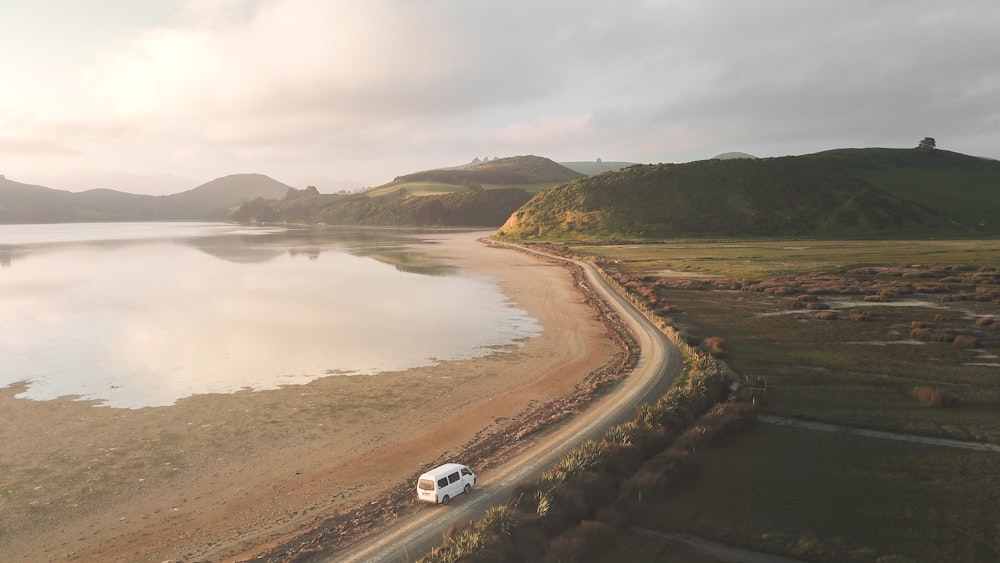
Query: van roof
x=444, y=469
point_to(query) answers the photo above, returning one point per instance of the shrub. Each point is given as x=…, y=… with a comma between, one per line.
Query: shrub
x=580, y=543
x=985, y=322
x=791, y=304
x=714, y=345
x=860, y=315
x=931, y=335
x=623, y=433
x=934, y=397
x=623, y=460
x=825, y=315
x=965, y=341
x=920, y=324
x=499, y=520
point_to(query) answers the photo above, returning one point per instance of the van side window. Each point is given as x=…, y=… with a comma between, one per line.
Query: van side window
x=453, y=477
x=443, y=482
x=466, y=472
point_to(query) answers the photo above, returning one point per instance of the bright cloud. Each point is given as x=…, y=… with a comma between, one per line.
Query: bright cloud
x=359, y=91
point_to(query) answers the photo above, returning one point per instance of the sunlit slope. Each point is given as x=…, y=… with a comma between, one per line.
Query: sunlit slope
x=847, y=193
x=531, y=173
x=483, y=194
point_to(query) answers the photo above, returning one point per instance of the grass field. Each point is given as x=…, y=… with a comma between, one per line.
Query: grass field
x=416, y=189
x=762, y=259
x=833, y=497
x=837, y=497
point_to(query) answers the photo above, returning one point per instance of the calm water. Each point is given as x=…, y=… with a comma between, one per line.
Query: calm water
x=143, y=314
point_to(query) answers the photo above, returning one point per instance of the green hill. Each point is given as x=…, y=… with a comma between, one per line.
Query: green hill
x=731, y=155
x=592, y=167
x=531, y=173
x=476, y=195
x=846, y=193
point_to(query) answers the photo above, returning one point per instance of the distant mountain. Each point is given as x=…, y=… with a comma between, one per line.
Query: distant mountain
x=732, y=155
x=593, y=167
x=26, y=203
x=844, y=193
x=216, y=199
x=94, y=178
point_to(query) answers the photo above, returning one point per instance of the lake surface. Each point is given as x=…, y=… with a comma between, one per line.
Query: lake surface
x=142, y=314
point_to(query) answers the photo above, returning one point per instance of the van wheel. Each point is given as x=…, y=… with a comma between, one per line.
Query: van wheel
x=445, y=499
x=468, y=488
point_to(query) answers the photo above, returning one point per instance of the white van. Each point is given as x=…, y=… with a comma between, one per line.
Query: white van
x=441, y=484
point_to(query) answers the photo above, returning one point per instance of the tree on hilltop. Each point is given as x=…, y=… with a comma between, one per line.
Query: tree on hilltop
x=927, y=144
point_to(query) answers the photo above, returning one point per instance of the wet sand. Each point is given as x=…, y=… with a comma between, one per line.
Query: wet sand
x=219, y=477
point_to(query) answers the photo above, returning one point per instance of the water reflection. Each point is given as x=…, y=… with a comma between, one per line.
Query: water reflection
x=181, y=309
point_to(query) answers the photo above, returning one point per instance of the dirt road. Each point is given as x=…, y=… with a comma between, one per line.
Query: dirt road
x=659, y=363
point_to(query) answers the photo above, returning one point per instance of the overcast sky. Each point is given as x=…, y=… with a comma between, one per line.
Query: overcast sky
x=344, y=94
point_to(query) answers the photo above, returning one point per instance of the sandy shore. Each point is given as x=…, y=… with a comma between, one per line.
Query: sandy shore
x=219, y=477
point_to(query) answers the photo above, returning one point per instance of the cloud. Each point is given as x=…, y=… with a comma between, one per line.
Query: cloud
x=367, y=89
x=34, y=147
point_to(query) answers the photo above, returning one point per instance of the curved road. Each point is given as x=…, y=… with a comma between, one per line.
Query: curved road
x=658, y=365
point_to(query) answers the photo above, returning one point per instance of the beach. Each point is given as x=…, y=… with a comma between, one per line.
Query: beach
x=229, y=476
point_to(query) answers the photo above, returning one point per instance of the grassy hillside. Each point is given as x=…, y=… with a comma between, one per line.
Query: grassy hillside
x=472, y=208
x=511, y=171
x=478, y=195
x=966, y=188
x=591, y=168
x=530, y=173
x=837, y=194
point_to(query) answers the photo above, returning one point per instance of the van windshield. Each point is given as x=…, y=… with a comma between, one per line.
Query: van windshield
x=426, y=484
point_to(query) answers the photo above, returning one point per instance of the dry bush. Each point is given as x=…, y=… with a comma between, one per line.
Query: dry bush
x=877, y=299
x=920, y=324
x=719, y=422
x=934, y=397
x=825, y=315
x=658, y=477
x=939, y=317
x=714, y=345
x=781, y=290
x=580, y=543
x=613, y=518
x=791, y=304
x=931, y=335
x=986, y=295
x=807, y=298
x=985, y=322
x=860, y=315
x=965, y=341
x=817, y=306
